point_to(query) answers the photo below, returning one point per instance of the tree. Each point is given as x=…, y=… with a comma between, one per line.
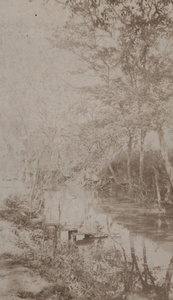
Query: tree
x=87, y=43
x=138, y=30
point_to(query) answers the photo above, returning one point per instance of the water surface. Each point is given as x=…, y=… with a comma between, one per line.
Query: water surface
x=143, y=232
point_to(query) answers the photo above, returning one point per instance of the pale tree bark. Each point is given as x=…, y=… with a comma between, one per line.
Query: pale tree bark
x=129, y=157
x=35, y=174
x=113, y=174
x=164, y=153
x=134, y=259
x=145, y=262
x=147, y=273
x=114, y=177
x=141, y=159
x=167, y=284
x=157, y=187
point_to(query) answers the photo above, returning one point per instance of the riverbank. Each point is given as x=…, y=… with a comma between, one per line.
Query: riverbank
x=35, y=265
x=151, y=189
x=32, y=269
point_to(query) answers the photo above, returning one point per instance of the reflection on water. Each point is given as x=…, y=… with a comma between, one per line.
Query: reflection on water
x=143, y=236
x=148, y=222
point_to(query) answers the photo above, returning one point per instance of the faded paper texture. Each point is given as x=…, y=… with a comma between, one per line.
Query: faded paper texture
x=86, y=157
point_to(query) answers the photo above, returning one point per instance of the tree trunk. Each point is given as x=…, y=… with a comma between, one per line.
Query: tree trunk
x=145, y=263
x=134, y=259
x=164, y=153
x=35, y=171
x=114, y=178
x=168, y=193
x=157, y=187
x=129, y=156
x=141, y=159
x=113, y=173
x=55, y=240
x=167, y=284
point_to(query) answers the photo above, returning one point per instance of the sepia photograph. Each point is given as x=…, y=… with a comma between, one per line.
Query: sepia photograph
x=86, y=150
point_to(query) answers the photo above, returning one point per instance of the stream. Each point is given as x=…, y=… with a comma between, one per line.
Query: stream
x=128, y=226
x=143, y=234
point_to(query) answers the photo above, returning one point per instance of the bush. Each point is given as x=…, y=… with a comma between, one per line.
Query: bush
x=145, y=192
x=15, y=210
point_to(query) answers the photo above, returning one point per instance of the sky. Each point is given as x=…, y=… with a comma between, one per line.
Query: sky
x=32, y=70
x=31, y=67
x=34, y=74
